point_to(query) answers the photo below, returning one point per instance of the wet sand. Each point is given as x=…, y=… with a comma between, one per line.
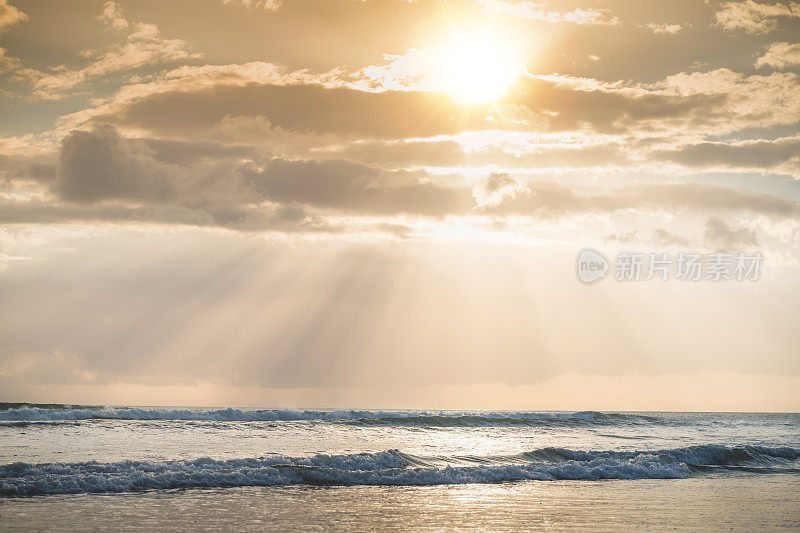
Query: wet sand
x=729, y=503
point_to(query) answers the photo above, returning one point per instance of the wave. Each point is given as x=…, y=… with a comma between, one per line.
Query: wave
x=388, y=468
x=368, y=417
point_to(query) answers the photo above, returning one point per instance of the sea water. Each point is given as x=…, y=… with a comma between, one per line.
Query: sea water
x=367, y=469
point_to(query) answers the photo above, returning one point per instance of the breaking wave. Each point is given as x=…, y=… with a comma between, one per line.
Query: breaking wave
x=388, y=468
x=27, y=414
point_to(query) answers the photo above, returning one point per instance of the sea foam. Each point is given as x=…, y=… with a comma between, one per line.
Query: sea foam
x=391, y=467
x=427, y=418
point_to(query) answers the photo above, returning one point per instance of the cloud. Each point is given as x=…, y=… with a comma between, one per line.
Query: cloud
x=16, y=168
x=754, y=17
x=44, y=368
x=306, y=108
x=285, y=219
x=719, y=233
x=100, y=164
x=551, y=199
x=181, y=182
x=527, y=10
x=666, y=238
x=570, y=104
x=142, y=46
x=105, y=176
x=267, y=5
x=679, y=195
x=699, y=102
x=10, y=15
x=623, y=238
x=12, y=69
x=669, y=29
x=492, y=190
x=745, y=101
x=658, y=237
x=557, y=154
x=780, y=55
x=189, y=79
x=347, y=204
x=192, y=152
x=617, y=126
x=400, y=154
x=112, y=15
x=356, y=188
x=778, y=155
x=191, y=101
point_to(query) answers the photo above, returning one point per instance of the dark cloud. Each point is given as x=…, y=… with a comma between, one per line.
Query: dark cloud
x=26, y=168
x=546, y=104
x=411, y=153
x=707, y=197
x=188, y=152
x=99, y=164
x=40, y=212
x=201, y=179
x=288, y=218
x=450, y=153
x=497, y=186
x=758, y=154
x=555, y=199
x=357, y=188
x=564, y=108
x=303, y=108
x=104, y=176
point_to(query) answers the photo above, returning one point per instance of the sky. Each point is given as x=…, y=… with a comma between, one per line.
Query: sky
x=342, y=203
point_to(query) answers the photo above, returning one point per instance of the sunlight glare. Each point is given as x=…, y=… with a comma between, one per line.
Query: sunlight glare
x=480, y=69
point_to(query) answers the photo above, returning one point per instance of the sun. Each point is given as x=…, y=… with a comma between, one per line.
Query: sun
x=480, y=69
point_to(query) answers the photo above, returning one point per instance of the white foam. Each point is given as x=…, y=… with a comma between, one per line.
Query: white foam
x=239, y=415
x=384, y=468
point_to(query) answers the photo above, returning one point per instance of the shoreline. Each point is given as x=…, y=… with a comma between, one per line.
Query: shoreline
x=709, y=503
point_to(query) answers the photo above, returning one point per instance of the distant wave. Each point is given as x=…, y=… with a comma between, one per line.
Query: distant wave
x=388, y=468
x=19, y=414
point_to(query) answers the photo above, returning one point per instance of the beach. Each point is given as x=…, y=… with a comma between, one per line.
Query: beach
x=744, y=503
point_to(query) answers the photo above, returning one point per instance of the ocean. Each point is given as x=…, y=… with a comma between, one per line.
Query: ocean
x=129, y=468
